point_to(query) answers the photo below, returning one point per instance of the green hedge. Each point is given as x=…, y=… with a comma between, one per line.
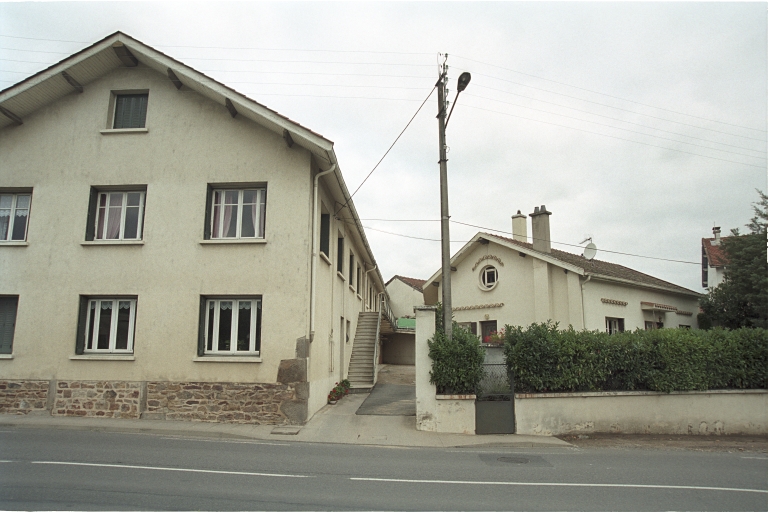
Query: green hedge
x=457, y=365
x=545, y=359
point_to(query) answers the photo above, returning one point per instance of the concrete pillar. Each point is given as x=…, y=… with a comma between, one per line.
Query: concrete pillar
x=426, y=404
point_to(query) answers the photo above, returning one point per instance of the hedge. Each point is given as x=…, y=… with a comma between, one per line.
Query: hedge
x=545, y=359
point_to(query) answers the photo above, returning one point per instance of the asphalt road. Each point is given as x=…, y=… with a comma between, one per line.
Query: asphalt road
x=86, y=470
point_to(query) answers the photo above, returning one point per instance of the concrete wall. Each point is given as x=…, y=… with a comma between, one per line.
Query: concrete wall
x=399, y=348
x=643, y=412
x=437, y=414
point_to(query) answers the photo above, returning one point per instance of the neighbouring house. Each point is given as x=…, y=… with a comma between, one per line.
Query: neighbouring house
x=405, y=293
x=713, y=260
x=502, y=281
x=173, y=249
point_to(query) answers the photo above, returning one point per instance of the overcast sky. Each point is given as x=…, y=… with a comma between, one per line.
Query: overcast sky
x=640, y=125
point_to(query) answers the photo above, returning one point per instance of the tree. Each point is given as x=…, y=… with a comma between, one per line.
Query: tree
x=741, y=300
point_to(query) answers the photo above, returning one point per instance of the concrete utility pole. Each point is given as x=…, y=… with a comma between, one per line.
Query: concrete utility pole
x=444, y=217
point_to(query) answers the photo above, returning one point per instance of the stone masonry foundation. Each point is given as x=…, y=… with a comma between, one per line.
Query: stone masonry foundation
x=23, y=396
x=93, y=399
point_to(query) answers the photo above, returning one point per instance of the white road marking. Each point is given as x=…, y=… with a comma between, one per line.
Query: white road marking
x=558, y=484
x=177, y=438
x=154, y=468
x=758, y=458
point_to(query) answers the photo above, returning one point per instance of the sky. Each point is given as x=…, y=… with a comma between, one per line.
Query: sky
x=638, y=125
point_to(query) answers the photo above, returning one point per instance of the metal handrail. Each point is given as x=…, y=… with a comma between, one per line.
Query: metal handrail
x=376, y=339
x=387, y=309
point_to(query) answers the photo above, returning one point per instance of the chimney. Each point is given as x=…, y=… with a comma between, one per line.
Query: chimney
x=716, y=232
x=540, y=229
x=519, y=227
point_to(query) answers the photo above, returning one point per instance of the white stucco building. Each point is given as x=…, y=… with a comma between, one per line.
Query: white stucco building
x=502, y=281
x=171, y=246
x=713, y=260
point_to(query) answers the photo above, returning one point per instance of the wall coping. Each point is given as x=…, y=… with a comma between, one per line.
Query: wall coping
x=455, y=397
x=605, y=394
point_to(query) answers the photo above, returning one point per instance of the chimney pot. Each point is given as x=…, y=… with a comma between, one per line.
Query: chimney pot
x=519, y=227
x=540, y=229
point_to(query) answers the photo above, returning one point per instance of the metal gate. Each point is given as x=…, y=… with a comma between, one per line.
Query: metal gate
x=495, y=404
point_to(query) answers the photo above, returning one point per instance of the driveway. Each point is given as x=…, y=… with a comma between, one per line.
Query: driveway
x=394, y=393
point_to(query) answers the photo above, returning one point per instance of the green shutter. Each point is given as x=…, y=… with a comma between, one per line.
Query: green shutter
x=81, y=321
x=208, y=213
x=90, y=227
x=325, y=233
x=8, y=307
x=201, y=330
x=258, y=325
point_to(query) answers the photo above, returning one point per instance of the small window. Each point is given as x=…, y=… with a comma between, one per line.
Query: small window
x=487, y=329
x=489, y=276
x=614, y=325
x=236, y=213
x=8, y=307
x=108, y=325
x=349, y=328
x=359, y=277
x=14, y=217
x=340, y=254
x=116, y=215
x=230, y=326
x=130, y=111
x=351, y=269
x=650, y=326
x=469, y=326
x=325, y=234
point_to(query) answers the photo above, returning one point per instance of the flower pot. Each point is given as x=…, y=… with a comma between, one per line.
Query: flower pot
x=332, y=402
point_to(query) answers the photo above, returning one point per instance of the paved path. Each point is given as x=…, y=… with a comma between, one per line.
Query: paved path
x=394, y=393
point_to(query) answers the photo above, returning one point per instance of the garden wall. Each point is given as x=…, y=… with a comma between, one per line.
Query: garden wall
x=643, y=412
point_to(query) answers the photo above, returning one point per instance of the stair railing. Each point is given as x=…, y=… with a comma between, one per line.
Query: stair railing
x=376, y=339
x=387, y=309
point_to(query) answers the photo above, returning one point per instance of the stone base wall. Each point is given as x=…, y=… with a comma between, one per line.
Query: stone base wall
x=230, y=402
x=102, y=399
x=23, y=396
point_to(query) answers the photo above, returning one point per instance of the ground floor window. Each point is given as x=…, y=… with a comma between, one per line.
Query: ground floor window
x=230, y=326
x=649, y=326
x=8, y=307
x=108, y=325
x=469, y=326
x=614, y=325
x=487, y=328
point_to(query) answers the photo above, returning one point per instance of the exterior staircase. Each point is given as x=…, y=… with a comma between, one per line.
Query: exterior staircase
x=362, y=370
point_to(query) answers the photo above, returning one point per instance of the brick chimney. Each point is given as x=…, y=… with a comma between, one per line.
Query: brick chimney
x=540, y=229
x=520, y=227
x=716, y=232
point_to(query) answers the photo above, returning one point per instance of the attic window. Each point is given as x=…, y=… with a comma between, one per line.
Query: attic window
x=489, y=277
x=130, y=111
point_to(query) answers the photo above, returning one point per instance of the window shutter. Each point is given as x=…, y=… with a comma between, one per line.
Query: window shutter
x=90, y=227
x=325, y=233
x=8, y=306
x=81, y=319
x=208, y=207
x=201, y=331
x=258, y=325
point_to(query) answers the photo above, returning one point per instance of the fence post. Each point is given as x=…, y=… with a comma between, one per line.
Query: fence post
x=426, y=404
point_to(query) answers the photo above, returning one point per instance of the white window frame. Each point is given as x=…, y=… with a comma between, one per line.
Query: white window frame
x=214, y=343
x=123, y=210
x=484, y=277
x=92, y=330
x=614, y=325
x=12, y=215
x=261, y=198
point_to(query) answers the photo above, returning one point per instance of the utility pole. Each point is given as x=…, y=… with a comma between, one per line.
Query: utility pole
x=444, y=217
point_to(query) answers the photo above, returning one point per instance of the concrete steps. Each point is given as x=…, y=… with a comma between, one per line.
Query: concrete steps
x=361, y=364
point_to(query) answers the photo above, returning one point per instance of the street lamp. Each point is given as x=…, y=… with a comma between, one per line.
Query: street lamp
x=445, y=237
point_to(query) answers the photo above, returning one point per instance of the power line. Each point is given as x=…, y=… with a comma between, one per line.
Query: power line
x=614, y=137
x=618, y=108
x=388, y=150
x=614, y=118
x=608, y=95
x=616, y=127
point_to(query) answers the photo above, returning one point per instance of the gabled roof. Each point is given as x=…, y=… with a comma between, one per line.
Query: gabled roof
x=574, y=263
x=715, y=253
x=416, y=284
x=82, y=68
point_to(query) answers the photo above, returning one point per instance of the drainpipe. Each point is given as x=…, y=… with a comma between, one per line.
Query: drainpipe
x=315, y=230
x=583, y=309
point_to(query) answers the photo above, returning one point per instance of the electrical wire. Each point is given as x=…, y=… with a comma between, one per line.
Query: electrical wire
x=608, y=95
x=615, y=137
x=388, y=150
x=616, y=127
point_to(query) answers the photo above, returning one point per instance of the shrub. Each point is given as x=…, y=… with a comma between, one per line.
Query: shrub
x=457, y=365
x=544, y=358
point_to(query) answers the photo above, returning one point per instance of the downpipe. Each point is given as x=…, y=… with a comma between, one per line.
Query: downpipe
x=315, y=235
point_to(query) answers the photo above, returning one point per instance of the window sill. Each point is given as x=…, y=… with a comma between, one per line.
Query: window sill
x=220, y=241
x=102, y=357
x=325, y=258
x=227, y=359
x=123, y=130
x=14, y=244
x=359, y=297
x=341, y=276
x=112, y=242
x=352, y=289
x=6, y=356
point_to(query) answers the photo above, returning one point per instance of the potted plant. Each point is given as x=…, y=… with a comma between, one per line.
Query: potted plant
x=338, y=391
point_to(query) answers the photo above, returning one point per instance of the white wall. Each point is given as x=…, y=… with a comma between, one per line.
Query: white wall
x=403, y=298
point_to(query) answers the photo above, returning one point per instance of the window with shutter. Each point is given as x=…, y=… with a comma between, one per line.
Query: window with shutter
x=8, y=306
x=130, y=111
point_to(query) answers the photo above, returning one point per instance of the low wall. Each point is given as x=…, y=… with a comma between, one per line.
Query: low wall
x=230, y=402
x=643, y=412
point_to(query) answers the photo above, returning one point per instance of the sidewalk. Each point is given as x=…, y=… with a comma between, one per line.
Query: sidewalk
x=332, y=424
